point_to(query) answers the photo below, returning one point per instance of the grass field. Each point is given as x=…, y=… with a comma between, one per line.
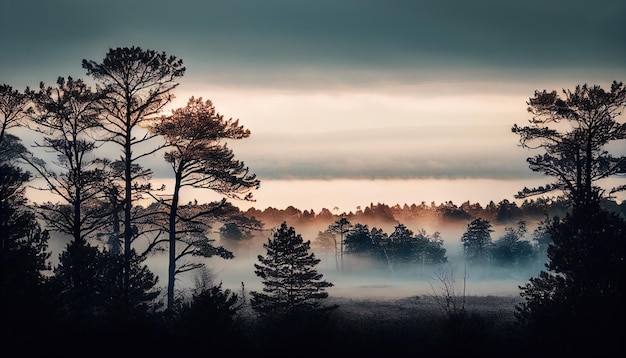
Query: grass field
x=415, y=326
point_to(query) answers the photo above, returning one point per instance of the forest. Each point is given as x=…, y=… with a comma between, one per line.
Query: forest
x=76, y=275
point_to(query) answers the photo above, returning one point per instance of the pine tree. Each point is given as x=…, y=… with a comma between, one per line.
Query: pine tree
x=291, y=283
x=576, y=304
x=477, y=241
x=137, y=84
x=578, y=301
x=341, y=227
x=201, y=160
x=27, y=303
x=575, y=131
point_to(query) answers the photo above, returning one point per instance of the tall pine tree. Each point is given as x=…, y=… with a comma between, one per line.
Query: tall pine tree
x=291, y=282
x=577, y=303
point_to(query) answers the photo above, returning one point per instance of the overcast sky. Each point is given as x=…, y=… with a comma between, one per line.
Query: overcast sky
x=343, y=89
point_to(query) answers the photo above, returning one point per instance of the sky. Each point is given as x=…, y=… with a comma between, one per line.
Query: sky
x=349, y=102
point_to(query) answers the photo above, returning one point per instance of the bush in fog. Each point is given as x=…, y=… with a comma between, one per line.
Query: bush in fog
x=96, y=289
x=208, y=314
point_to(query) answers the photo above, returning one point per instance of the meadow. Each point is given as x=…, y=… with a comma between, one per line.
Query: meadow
x=416, y=326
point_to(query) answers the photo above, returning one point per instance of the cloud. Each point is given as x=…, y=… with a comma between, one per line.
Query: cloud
x=363, y=88
x=385, y=153
x=286, y=42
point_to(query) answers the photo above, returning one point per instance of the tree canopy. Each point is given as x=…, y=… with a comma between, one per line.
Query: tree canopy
x=65, y=115
x=200, y=159
x=402, y=246
x=477, y=241
x=13, y=105
x=573, y=130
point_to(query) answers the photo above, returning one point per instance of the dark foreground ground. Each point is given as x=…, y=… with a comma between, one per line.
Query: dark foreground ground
x=414, y=326
x=411, y=326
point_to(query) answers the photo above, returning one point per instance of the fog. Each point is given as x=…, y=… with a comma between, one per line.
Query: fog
x=358, y=277
x=364, y=278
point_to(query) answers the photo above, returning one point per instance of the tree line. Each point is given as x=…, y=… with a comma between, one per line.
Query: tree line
x=404, y=248
x=503, y=212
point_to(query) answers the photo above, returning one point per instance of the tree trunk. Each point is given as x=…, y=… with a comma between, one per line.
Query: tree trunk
x=341, y=245
x=588, y=165
x=171, y=270
x=579, y=180
x=336, y=255
x=128, y=233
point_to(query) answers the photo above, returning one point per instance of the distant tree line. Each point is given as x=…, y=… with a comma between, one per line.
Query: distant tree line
x=392, y=250
x=503, y=212
x=403, y=247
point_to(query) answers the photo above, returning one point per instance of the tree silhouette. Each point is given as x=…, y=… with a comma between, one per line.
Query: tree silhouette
x=201, y=160
x=291, y=284
x=193, y=225
x=541, y=238
x=402, y=245
x=65, y=115
x=577, y=158
x=208, y=315
x=429, y=248
x=26, y=306
x=511, y=249
x=477, y=241
x=13, y=105
x=359, y=241
x=23, y=245
x=231, y=232
x=341, y=227
x=137, y=84
x=583, y=285
x=327, y=241
x=507, y=211
x=92, y=284
x=239, y=229
x=584, y=282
